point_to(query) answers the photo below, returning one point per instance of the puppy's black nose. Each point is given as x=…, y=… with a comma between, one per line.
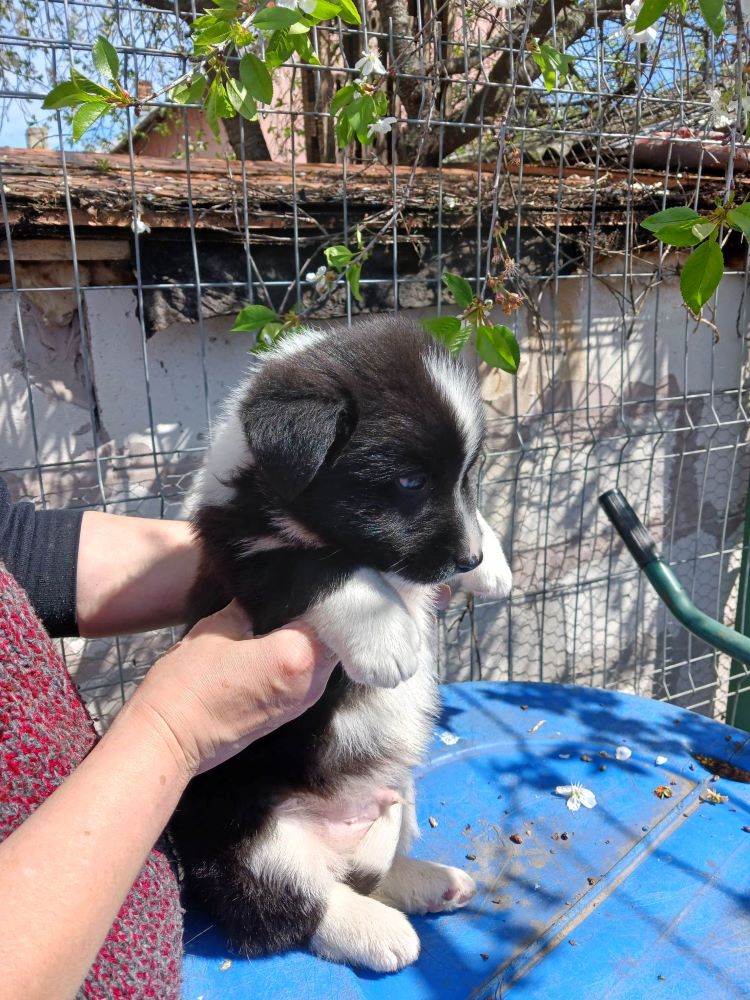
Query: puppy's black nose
x=465, y=564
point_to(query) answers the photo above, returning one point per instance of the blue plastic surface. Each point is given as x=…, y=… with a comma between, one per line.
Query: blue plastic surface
x=643, y=897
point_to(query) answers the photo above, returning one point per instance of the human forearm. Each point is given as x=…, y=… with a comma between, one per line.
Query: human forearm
x=133, y=573
x=66, y=871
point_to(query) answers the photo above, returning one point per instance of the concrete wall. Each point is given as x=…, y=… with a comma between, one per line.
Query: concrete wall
x=616, y=388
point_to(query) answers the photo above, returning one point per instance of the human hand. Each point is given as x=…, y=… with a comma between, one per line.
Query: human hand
x=219, y=689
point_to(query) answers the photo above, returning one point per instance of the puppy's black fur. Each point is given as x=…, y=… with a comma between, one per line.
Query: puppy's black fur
x=330, y=431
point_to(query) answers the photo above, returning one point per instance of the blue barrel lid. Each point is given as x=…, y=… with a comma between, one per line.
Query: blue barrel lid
x=639, y=896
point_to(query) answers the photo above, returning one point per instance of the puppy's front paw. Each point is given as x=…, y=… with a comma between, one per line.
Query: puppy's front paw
x=367, y=625
x=492, y=578
x=384, y=650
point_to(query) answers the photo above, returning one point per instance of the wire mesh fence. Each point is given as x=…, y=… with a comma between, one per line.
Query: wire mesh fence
x=125, y=257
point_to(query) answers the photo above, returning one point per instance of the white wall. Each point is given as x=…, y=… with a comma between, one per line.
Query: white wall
x=612, y=391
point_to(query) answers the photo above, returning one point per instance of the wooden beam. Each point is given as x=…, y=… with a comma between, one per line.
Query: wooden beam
x=49, y=250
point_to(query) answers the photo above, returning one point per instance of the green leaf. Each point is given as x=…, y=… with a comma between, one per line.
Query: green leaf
x=352, y=276
x=651, y=11
x=739, y=218
x=349, y=12
x=342, y=97
x=338, y=257
x=209, y=31
x=217, y=106
x=497, y=346
x=196, y=90
x=361, y=114
x=270, y=18
x=344, y=131
x=552, y=63
x=714, y=15
x=674, y=226
x=253, y=318
x=304, y=49
x=87, y=115
x=106, y=60
x=191, y=91
x=90, y=86
x=255, y=76
x=459, y=340
x=323, y=10
x=459, y=288
x=279, y=49
x=701, y=275
x=704, y=229
x=442, y=327
x=66, y=95
x=450, y=331
x=240, y=100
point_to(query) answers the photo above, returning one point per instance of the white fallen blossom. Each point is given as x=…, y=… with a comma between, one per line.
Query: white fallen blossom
x=318, y=278
x=623, y=753
x=577, y=796
x=661, y=759
x=450, y=739
x=381, y=127
x=369, y=64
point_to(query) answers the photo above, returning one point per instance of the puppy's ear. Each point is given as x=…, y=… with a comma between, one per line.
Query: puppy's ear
x=291, y=434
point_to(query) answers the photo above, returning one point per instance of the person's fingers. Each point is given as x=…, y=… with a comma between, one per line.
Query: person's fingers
x=230, y=623
x=297, y=650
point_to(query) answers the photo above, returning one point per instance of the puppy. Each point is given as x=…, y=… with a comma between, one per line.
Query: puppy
x=340, y=490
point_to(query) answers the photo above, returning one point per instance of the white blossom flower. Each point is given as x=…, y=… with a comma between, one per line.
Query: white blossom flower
x=506, y=4
x=661, y=759
x=623, y=753
x=318, y=278
x=632, y=10
x=139, y=226
x=721, y=115
x=370, y=63
x=577, y=796
x=381, y=127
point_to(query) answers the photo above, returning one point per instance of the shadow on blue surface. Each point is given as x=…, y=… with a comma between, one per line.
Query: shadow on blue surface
x=642, y=894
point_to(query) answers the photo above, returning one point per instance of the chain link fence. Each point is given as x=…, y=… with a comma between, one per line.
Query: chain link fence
x=125, y=257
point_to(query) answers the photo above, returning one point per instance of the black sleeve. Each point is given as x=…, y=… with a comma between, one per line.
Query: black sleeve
x=40, y=549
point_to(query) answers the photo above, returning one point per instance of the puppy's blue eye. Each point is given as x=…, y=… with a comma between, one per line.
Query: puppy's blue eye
x=412, y=483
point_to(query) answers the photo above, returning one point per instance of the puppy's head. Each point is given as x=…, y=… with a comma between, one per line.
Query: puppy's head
x=370, y=439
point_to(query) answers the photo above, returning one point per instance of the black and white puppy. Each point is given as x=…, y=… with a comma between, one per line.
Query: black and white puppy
x=339, y=490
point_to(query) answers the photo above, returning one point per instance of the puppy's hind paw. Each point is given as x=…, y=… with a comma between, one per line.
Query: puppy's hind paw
x=360, y=931
x=425, y=887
